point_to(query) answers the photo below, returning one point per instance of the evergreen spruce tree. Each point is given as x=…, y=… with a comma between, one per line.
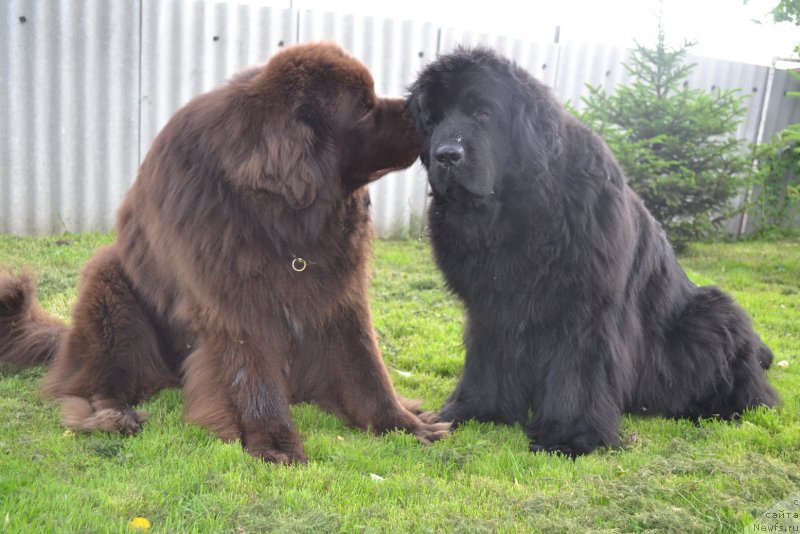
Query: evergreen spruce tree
x=676, y=144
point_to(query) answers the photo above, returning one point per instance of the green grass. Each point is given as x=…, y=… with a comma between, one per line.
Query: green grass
x=669, y=476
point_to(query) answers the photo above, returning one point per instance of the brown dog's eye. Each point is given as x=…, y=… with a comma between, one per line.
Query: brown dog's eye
x=480, y=115
x=367, y=109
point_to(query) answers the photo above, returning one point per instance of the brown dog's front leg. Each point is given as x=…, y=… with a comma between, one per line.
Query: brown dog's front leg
x=236, y=389
x=341, y=369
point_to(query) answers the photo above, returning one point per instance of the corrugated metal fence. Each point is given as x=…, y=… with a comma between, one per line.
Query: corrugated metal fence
x=85, y=85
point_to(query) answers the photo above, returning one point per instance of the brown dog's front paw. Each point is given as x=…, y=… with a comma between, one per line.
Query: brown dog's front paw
x=430, y=416
x=415, y=406
x=427, y=433
x=278, y=444
x=426, y=426
x=278, y=457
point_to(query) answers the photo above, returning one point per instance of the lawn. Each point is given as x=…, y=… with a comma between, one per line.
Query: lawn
x=669, y=476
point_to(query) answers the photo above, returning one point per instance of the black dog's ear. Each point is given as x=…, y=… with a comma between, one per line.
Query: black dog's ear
x=536, y=124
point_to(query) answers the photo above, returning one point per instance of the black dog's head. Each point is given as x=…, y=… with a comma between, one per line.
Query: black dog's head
x=482, y=117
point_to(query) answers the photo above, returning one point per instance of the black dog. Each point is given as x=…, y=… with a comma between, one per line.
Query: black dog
x=577, y=309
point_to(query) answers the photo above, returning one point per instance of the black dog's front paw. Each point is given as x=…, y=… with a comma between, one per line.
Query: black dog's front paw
x=446, y=413
x=442, y=416
x=564, y=450
x=453, y=413
x=571, y=447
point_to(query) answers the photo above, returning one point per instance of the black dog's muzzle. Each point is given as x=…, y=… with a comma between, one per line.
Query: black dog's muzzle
x=452, y=171
x=449, y=154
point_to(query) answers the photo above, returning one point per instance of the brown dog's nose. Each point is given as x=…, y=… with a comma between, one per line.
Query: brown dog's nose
x=449, y=155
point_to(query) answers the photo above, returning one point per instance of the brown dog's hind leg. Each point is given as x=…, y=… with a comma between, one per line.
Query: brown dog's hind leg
x=110, y=359
x=105, y=415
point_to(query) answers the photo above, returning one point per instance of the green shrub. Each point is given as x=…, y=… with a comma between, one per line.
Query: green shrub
x=777, y=202
x=677, y=145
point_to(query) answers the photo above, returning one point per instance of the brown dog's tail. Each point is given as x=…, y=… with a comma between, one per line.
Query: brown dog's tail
x=28, y=335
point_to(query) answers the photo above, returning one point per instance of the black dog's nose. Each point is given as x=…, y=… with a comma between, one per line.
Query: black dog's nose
x=449, y=154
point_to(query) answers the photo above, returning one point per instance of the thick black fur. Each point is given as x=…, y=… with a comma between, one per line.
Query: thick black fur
x=577, y=310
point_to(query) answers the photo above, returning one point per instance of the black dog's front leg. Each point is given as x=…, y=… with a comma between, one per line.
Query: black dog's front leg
x=581, y=405
x=466, y=402
x=490, y=388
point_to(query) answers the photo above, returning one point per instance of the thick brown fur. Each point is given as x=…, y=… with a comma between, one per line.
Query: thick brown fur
x=199, y=290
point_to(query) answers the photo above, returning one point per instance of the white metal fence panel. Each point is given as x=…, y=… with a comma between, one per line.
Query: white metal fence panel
x=69, y=81
x=85, y=85
x=582, y=64
x=748, y=81
x=540, y=59
x=782, y=109
x=189, y=48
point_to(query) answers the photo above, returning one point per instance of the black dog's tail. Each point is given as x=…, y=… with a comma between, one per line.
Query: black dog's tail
x=28, y=335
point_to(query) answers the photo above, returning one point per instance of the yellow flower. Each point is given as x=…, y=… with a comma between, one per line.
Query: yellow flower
x=139, y=523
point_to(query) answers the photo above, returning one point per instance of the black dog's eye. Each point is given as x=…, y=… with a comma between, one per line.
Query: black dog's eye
x=477, y=108
x=480, y=114
x=429, y=121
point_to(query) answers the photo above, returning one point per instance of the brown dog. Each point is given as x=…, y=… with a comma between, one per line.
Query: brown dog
x=240, y=269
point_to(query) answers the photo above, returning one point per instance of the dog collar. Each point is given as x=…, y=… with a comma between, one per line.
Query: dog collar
x=299, y=264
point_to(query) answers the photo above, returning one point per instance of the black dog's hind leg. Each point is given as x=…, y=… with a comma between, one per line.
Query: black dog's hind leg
x=718, y=357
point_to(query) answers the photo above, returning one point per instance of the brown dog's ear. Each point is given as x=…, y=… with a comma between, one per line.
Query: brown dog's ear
x=279, y=158
x=291, y=168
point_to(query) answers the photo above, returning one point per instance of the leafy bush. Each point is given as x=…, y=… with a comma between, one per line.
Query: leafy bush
x=778, y=201
x=779, y=163
x=676, y=144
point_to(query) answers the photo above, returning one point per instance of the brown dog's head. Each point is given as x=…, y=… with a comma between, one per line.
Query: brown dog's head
x=310, y=121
